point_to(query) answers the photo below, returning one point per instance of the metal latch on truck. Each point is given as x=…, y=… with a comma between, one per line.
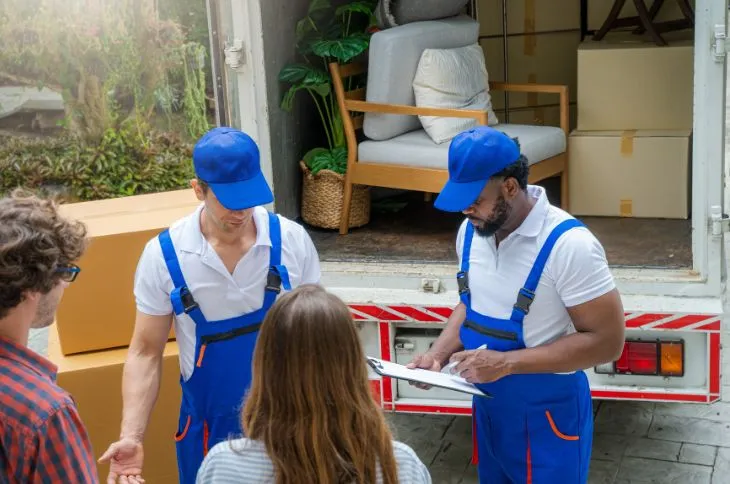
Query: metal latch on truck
x=719, y=221
x=720, y=45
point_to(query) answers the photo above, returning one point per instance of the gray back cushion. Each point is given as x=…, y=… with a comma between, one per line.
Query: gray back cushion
x=393, y=59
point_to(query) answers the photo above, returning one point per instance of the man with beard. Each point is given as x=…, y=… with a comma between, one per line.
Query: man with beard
x=538, y=306
x=42, y=438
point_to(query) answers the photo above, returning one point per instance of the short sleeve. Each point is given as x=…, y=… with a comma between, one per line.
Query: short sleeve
x=460, y=240
x=579, y=268
x=311, y=271
x=304, y=252
x=150, y=294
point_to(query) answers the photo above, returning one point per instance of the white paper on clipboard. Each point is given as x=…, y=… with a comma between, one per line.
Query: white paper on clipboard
x=418, y=375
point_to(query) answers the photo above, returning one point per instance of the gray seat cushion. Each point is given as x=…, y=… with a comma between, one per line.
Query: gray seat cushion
x=393, y=60
x=416, y=149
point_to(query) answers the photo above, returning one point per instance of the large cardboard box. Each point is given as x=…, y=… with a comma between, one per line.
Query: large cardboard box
x=94, y=380
x=630, y=174
x=625, y=83
x=533, y=58
x=598, y=12
x=538, y=116
x=527, y=16
x=97, y=311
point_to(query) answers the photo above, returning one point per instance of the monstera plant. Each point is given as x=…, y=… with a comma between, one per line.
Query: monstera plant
x=324, y=35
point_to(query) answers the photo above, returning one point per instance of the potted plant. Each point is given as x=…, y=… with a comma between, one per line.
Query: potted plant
x=324, y=35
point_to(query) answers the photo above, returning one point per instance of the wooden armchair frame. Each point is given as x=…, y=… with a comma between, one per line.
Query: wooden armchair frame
x=429, y=180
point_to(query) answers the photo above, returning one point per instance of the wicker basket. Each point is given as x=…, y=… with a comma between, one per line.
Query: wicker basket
x=322, y=196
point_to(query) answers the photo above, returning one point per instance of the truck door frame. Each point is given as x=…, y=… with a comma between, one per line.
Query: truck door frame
x=242, y=94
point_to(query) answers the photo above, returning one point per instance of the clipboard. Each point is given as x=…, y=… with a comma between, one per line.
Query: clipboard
x=418, y=375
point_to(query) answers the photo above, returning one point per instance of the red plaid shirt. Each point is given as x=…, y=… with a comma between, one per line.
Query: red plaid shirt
x=42, y=439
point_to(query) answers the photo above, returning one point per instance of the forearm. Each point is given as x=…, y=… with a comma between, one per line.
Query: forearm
x=574, y=352
x=448, y=341
x=140, y=387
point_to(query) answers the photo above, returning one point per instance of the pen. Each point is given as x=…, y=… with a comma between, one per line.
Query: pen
x=448, y=369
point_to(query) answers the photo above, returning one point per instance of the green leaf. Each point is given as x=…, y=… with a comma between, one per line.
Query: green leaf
x=294, y=73
x=342, y=49
x=287, y=101
x=318, y=5
x=309, y=155
x=321, y=89
x=355, y=7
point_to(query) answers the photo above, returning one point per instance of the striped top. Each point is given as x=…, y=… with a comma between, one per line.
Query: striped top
x=42, y=439
x=227, y=463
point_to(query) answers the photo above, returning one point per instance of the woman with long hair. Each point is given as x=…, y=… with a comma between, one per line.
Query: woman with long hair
x=309, y=417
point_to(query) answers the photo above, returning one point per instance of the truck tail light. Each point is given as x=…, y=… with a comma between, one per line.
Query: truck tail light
x=660, y=358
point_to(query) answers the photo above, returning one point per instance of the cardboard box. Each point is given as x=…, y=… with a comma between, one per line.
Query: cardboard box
x=598, y=12
x=527, y=16
x=98, y=310
x=630, y=174
x=548, y=115
x=624, y=84
x=95, y=382
x=549, y=59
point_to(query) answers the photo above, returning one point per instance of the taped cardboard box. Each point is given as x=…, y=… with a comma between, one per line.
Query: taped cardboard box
x=642, y=174
x=552, y=60
x=95, y=382
x=98, y=309
x=624, y=83
x=527, y=16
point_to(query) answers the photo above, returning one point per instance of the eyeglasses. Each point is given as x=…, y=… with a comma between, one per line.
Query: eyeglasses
x=69, y=273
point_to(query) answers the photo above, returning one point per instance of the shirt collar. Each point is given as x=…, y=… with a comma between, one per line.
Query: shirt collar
x=191, y=237
x=533, y=223
x=28, y=358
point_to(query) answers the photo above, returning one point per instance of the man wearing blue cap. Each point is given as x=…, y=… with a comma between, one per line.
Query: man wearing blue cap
x=215, y=272
x=537, y=293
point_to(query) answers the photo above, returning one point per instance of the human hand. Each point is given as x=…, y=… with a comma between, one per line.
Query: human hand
x=424, y=362
x=481, y=365
x=125, y=459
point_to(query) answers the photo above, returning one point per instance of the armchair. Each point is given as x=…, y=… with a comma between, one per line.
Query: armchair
x=389, y=150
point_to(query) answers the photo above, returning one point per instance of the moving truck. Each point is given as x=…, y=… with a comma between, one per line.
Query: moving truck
x=654, y=194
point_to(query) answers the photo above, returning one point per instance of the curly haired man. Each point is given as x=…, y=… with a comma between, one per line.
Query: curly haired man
x=42, y=438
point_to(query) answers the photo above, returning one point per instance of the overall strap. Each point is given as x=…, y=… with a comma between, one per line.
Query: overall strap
x=527, y=294
x=181, y=297
x=462, y=278
x=278, y=275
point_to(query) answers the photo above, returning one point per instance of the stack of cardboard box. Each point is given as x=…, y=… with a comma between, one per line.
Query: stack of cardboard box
x=630, y=155
x=95, y=321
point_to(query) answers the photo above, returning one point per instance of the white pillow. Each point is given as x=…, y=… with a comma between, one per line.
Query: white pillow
x=452, y=78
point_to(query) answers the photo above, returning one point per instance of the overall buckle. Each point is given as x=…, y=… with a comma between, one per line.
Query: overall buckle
x=273, y=282
x=524, y=300
x=187, y=300
x=462, y=279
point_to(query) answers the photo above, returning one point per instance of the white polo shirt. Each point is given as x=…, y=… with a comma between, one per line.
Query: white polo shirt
x=220, y=294
x=576, y=271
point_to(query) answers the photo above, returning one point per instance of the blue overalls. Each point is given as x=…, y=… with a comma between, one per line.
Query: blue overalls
x=538, y=428
x=213, y=395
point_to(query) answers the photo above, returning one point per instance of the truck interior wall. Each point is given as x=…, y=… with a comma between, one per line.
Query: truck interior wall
x=288, y=130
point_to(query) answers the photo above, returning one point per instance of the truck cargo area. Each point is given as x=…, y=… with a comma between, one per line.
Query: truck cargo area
x=407, y=228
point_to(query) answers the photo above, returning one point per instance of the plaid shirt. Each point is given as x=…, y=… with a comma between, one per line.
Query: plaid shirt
x=42, y=439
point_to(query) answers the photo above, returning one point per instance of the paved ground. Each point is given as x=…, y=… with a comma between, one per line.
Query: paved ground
x=634, y=442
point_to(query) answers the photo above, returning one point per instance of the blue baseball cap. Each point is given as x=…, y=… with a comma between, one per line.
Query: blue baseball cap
x=475, y=156
x=228, y=161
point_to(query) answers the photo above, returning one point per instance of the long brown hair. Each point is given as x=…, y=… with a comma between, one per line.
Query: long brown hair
x=310, y=401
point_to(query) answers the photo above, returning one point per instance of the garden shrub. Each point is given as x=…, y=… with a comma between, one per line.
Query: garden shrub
x=121, y=164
